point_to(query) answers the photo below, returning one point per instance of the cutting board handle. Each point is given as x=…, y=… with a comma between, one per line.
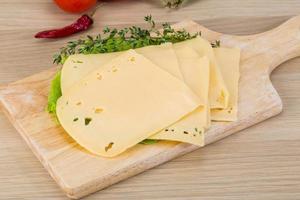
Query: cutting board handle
x=273, y=47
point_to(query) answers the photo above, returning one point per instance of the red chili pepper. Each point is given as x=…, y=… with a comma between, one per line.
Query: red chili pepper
x=83, y=23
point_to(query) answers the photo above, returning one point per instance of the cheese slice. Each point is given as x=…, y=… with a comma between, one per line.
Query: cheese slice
x=229, y=62
x=195, y=72
x=122, y=103
x=190, y=129
x=78, y=66
x=218, y=93
x=163, y=56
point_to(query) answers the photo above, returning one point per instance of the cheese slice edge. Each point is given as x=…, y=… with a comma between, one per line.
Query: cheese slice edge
x=218, y=92
x=191, y=128
x=229, y=62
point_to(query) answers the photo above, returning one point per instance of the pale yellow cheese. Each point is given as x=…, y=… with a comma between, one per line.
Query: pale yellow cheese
x=163, y=56
x=190, y=129
x=218, y=93
x=78, y=66
x=229, y=62
x=122, y=103
x=195, y=72
x=186, y=130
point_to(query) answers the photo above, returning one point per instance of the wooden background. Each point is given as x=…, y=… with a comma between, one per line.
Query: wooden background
x=262, y=162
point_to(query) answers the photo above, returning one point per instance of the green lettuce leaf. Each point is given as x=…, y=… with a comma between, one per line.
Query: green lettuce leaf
x=54, y=93
x=149, y=141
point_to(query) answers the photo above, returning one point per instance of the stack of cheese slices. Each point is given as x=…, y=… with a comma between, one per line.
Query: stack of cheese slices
x=113, y=101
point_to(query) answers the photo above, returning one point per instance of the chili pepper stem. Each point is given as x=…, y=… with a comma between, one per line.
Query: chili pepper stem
x=92, y=13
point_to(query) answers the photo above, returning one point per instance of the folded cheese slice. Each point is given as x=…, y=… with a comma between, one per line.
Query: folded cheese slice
x=229, y=62
x=79, y=65
x=122, y=103
x=190, y=129
x=163, y=56
x=218, y=93
x=196, y=71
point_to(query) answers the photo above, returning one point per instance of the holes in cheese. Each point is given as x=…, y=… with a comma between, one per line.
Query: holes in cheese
x=184, y=130
x=139, y=100
x=99, y=76
x=218, y=93
x=73, y=70
x=229, y=61
x=161, y=55
x=98, y=110
x=195, y=72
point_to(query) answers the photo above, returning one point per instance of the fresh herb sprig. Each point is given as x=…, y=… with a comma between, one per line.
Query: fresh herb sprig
x=216, y=44
x=173, y=3
x=113, y=40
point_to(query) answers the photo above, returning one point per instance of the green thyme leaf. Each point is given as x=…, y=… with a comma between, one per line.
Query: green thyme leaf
x=216, y=44
x=173, y=3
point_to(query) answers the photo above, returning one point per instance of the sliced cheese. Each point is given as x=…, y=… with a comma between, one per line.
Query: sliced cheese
x=218, y=93
x=182, y=131
x=195, y=72
x=229, y=62
x=122, y=103
x=163, y=56
x=190, y=129
x=78, y=66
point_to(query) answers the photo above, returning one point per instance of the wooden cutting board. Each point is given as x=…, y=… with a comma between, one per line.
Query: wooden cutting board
x=79, y=173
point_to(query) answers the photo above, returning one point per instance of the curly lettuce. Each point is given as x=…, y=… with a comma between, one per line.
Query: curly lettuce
x=54, y=93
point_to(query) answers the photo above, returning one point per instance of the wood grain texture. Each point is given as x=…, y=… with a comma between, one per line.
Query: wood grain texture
x=259, y=165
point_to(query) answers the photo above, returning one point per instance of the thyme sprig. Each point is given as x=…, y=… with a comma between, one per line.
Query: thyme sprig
x=173, y=3
x=113, y=40
x=216, y=44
